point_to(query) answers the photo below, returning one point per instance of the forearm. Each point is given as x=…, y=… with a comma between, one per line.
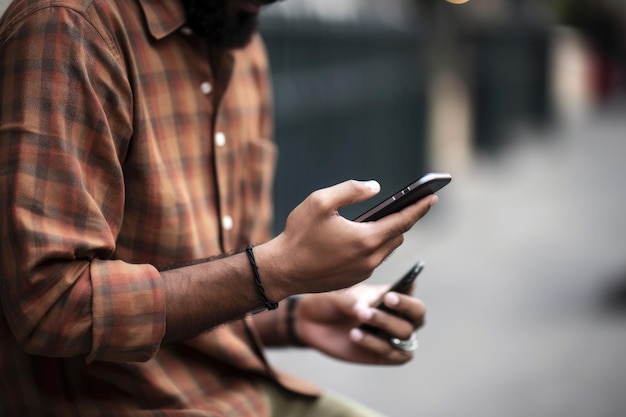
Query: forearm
x=318, y=251
x=136, y=302
x=204, y=295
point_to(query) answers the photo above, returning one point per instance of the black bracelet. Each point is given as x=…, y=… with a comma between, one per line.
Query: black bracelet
x=292, y=302
x=257, y=280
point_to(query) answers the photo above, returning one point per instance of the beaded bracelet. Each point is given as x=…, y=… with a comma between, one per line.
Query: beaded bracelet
x=292, y=302
x=257, y=280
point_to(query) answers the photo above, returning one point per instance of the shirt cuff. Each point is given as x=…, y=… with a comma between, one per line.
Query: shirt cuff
x=128, y=312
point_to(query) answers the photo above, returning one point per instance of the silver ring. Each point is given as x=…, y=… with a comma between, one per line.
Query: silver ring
x=409, y=345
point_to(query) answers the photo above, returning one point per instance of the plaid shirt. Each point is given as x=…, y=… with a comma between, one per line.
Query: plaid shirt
x=123, y=150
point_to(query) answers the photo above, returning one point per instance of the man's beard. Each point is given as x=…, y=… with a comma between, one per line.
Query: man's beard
x=211, y=20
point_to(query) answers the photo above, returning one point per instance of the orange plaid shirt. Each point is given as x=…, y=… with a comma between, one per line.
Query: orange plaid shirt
x=122, y=150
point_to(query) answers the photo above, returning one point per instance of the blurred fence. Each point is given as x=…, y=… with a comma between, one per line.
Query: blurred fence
x=349, y=103
x=351, y=98
x=509, y=81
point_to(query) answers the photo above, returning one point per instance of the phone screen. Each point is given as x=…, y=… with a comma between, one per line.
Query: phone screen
x=426, y=185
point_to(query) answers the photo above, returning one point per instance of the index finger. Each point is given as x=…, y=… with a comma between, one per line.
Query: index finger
x=401, y=222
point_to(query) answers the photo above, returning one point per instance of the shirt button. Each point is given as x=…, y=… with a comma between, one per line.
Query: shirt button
x=186, y=30
x=220, y=139
x=206, y=87
x=227, y=222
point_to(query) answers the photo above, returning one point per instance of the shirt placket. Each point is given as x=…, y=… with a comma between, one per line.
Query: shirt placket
x=225, y=147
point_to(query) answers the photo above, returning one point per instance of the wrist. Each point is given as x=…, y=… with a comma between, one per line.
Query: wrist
x=269, y=305
x=293, y=337
x=272, y=267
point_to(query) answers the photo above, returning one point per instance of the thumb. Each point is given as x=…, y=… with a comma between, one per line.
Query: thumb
x=352, y=192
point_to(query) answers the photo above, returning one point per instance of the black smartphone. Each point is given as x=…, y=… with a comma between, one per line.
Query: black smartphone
x=402, y=286
x=426, y=185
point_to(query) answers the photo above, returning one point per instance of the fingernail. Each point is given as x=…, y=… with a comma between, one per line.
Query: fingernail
x=392, y=299
x=434, y=200
x=356, y=335
x=373, y=185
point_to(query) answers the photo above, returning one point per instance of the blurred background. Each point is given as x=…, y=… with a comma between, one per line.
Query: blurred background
x=524, y=103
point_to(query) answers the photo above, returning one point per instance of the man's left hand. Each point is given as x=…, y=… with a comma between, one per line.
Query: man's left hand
x=329, y=323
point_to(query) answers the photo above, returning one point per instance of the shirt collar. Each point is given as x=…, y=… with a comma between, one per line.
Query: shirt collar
x=163, y=16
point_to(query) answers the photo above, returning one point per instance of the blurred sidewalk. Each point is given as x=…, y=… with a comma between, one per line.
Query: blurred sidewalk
x=520, y=254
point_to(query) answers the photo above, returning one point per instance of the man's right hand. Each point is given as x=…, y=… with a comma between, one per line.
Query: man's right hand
x=319, y=250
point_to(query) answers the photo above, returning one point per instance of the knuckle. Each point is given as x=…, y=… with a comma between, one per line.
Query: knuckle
x=354, y=185
x=396, y=242
x=410, y=217
x=366, y=245
x=407, y=223
x=421, y=308
x=369, y=265
x=318, y=200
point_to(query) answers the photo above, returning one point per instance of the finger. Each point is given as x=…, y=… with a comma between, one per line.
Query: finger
x=345, y=193
x=381, y=349
x=388, y=247
x=384, y=323
x=402, y=221
x=408, y=315
x=405, y=305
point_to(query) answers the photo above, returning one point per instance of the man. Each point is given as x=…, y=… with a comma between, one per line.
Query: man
x=134, y=138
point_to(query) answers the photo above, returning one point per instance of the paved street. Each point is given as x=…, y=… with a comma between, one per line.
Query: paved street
x=520, y=255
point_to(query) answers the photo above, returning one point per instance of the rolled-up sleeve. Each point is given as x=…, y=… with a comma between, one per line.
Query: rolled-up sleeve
x=128, y=311
x=65, y=128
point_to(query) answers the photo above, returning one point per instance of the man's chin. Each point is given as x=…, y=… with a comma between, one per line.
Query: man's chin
x=240, y=36
x=219, y=28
